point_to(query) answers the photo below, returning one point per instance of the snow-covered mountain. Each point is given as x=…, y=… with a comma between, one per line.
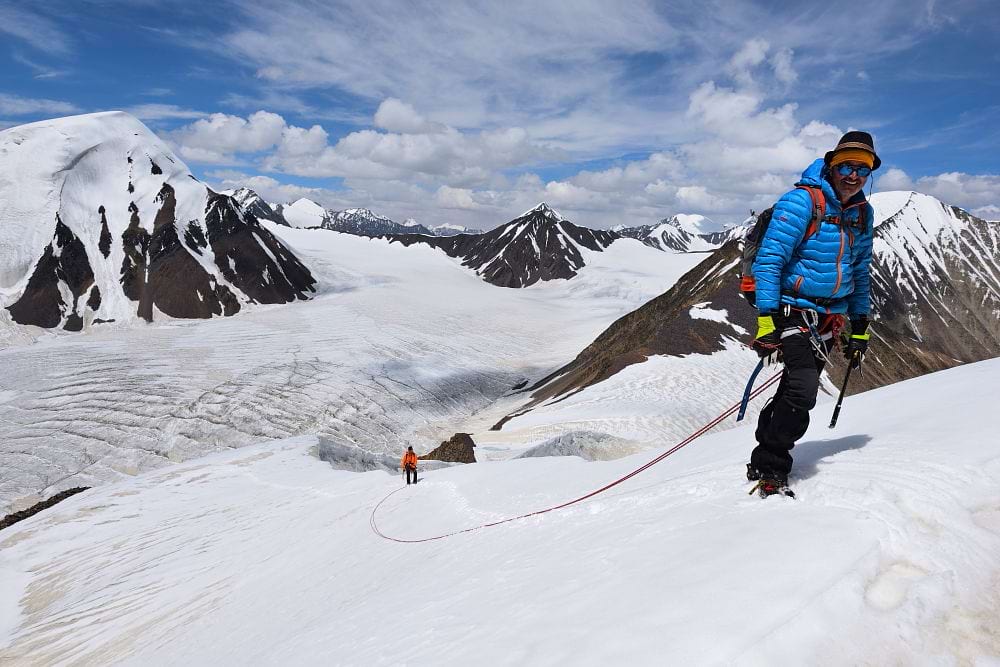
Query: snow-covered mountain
x=539, y=245
x=451, y=230
x=100, y=221
x=733, y=233
x=363, y=222
x=305, y=214
x=255, y=205
x=935, y=294
x=681, y=233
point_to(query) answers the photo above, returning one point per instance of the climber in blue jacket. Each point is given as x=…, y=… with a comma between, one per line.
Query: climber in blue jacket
x=811, y=273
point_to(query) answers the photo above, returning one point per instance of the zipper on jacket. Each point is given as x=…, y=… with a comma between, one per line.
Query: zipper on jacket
x=840, y=256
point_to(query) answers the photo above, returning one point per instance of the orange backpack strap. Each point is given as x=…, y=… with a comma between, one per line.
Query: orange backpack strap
x=818, y=208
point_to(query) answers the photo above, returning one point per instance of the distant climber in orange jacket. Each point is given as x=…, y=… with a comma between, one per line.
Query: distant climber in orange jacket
x=409, y=464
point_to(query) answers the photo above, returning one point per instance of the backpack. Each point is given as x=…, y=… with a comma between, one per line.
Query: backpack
x=748, y=285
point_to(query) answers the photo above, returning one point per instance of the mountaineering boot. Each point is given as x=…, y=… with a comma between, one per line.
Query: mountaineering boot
x=768, y=483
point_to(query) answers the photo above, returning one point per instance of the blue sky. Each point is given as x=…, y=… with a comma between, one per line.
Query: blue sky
x=470, y=113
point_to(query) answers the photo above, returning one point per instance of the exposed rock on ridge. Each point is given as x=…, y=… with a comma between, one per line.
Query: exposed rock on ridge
x=128, y=241
x=539, y=245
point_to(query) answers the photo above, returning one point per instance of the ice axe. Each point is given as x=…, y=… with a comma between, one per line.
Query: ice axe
x=843, y=389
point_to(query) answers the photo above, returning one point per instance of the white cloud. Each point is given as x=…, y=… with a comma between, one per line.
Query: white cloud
x=397, y=116
x=894, y=179
x=163, y=112
x=38, y=31
x=443, y=154
x=41, y=71
x=698, y=198
x=991, y=212
x=784, y=72
x=734, y=116
x=746, y=59
x=14, y=105
x=217, y=138
x=460, y=198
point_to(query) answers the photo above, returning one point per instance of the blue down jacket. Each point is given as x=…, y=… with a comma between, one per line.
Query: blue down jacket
x=827, y=272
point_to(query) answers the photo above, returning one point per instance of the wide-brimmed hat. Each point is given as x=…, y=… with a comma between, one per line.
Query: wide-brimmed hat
x=855, y=140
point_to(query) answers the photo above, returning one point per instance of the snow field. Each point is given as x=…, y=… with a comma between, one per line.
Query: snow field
x=265, y=555
x=400, y=347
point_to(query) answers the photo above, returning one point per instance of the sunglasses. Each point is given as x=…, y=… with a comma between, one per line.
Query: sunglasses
x=847, y=170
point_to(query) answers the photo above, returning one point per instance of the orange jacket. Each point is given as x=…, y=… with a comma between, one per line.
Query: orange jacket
x=409, y=460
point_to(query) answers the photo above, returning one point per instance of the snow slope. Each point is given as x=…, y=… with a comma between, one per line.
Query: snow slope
x=401, y=345
x=305, y=213
x=266, y=556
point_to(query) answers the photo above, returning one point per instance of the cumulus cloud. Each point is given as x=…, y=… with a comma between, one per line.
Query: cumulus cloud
x=397, y=116
x=460, y=198
x=426, y=151
x=217, y=138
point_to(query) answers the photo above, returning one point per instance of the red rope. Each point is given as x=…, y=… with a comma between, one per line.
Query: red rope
x=756, y=392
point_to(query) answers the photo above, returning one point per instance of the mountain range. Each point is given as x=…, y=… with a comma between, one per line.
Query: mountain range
x=935, y=297
x=538, y=245
x=100, y=222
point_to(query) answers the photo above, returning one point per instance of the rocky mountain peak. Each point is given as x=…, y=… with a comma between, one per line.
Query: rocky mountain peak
x=544, y=210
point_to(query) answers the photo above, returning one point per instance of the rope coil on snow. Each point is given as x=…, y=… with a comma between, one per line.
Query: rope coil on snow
x=756, y=392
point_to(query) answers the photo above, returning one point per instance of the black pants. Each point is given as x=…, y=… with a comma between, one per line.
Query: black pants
x=410, y=471
x=786, y=416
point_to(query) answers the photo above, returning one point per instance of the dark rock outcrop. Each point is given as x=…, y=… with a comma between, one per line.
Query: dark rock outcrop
x=64, y=262
x=539, y=245
x=458, y=449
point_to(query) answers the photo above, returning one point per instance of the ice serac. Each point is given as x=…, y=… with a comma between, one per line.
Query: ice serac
x=537, y=246
x=100, y=221
x=935, y=288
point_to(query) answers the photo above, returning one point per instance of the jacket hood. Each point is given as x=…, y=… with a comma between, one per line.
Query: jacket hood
x=815, y=174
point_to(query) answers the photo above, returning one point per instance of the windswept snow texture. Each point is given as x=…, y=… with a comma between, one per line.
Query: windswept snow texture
x=888, y=556
x=100, y=222
x=402, y=346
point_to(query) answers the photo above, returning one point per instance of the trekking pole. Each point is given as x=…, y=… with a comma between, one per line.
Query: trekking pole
x=843, y=389
x=746, y=392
